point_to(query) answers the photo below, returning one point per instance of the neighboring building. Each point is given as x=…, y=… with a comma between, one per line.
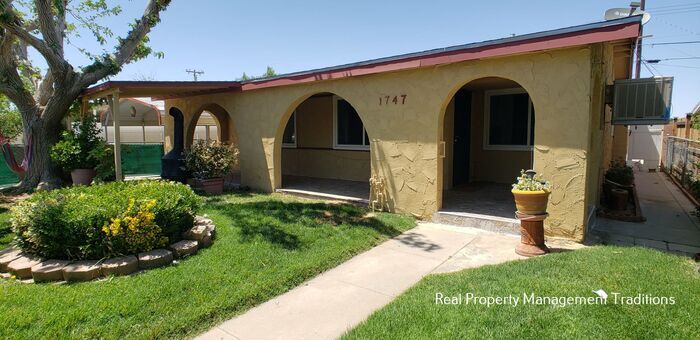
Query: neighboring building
x=429, y=123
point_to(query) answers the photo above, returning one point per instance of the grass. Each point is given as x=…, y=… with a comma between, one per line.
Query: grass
x=5, y=232
x=630, y=271
x=266, y=245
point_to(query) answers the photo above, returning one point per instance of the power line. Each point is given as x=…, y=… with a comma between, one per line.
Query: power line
x=676, y=5
x=675, y=43
x=681, y=66
x=656, y=61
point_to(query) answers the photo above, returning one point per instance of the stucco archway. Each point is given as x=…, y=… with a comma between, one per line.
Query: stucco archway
x=221, y=118
x=487, y=129
x=321, y=143
x=225, y=133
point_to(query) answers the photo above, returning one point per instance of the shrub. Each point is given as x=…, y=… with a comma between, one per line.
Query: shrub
x=81, y=148
x=70, y=223
x=620, y=173
x=210, y=160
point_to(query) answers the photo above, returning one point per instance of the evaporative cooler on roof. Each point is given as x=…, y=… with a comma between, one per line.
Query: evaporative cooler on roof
x=644, y=101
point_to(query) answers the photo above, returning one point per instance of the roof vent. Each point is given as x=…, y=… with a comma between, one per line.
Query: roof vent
x=643, y=101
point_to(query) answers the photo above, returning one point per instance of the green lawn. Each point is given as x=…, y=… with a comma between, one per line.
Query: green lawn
x=5, y=232
x=629, y=271
x=266, y=245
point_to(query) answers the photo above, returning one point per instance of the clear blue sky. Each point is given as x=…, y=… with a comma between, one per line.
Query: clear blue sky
x=226, y=38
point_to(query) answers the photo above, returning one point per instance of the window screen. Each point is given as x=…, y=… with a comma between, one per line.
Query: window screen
x=289, y=136
x=509, y=120
x=349, y=126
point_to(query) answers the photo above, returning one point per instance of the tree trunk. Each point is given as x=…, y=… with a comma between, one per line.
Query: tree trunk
x=41, y=172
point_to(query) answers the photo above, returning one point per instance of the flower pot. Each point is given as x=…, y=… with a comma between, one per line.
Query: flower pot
x=211, y=186
x=619, y=199
x=531, y=202
x=82, y=176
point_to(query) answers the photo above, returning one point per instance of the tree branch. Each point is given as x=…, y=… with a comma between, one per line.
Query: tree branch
x=127, y=46
x=14, y=25
x=11, y=84
x=49, y=26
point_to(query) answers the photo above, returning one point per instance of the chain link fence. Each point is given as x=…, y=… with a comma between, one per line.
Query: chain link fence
x=681, y=161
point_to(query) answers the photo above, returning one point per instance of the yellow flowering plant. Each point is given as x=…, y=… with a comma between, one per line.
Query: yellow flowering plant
x=135, y=230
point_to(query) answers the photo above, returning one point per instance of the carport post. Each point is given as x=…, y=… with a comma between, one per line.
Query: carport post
x=114, y=106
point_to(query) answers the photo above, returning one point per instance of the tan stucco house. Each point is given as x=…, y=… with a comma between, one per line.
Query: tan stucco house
x=430, y=124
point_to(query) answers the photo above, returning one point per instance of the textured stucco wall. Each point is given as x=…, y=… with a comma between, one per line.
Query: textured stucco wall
x=405, y=137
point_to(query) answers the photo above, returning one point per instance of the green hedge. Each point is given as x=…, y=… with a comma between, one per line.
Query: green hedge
x=69, y=223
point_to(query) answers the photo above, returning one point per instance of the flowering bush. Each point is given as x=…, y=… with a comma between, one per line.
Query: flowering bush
x=531, y=182
x=134, y=231
x=69, y=223
x=210, y=160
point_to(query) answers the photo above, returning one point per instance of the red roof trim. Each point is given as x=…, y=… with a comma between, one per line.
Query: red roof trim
x=626, y=31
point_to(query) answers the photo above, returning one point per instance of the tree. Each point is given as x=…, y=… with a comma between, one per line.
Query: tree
x=269, y=72
x=43, y=98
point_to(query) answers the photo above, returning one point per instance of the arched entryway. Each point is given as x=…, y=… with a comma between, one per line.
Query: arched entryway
x=324, y=149
x=211, y=122
x=488, y=134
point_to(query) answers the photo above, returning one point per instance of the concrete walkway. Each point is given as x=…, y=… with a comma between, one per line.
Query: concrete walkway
x=332, y=303
x=670, y=224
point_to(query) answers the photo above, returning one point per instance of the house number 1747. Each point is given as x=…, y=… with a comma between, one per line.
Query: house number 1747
x=396, y=100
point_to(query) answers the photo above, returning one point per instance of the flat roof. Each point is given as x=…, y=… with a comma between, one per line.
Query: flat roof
x=611, y=30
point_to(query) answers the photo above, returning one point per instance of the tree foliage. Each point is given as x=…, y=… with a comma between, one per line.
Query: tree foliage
x=10, y=121
x=269, y=72
x=44, y=96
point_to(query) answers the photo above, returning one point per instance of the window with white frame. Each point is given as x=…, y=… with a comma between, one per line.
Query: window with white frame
x=289, y=138
x=509, y=120
x=348, y=131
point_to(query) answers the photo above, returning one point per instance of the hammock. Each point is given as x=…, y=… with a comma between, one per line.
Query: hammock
x=9, y=155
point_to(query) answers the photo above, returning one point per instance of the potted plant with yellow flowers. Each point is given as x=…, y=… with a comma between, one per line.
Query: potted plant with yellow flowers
x=531, y=194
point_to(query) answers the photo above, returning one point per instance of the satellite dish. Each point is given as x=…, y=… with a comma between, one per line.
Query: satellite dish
x=617, y=13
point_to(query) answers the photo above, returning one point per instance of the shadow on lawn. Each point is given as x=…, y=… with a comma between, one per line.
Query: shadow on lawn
x=272, y=219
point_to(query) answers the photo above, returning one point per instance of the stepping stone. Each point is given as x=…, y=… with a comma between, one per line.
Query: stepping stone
x=196, y=233
x=184, y=248
x=205, y=241
x=123, y=265
x=51, y=270
x=22, y=266
x=8, y=256
x=82, y=271
x=199, y=220
x=155, y=258
x=211, y=228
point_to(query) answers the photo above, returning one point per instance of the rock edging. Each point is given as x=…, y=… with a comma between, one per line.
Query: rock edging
x=26, y=267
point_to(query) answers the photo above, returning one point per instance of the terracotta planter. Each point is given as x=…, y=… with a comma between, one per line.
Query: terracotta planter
x=82, y=176
x=210, y=186
x=531, y=202
x=619, y=199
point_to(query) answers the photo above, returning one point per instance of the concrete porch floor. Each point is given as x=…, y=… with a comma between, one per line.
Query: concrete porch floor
x=670, y=224
x=326, y=188
x=482, y=198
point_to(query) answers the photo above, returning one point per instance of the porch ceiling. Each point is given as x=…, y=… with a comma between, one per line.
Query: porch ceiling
x=159, y=90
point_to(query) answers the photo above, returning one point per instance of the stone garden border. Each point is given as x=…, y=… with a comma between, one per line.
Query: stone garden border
x=32, y=269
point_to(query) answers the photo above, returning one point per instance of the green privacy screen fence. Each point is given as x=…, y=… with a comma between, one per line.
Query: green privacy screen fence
x=141, y=159
x=137, y=159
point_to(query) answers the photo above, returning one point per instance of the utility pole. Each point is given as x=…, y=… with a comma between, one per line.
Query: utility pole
x=638, y=66
x=195, y=73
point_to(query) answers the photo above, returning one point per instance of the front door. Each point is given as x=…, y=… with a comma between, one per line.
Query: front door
x=462, y=134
